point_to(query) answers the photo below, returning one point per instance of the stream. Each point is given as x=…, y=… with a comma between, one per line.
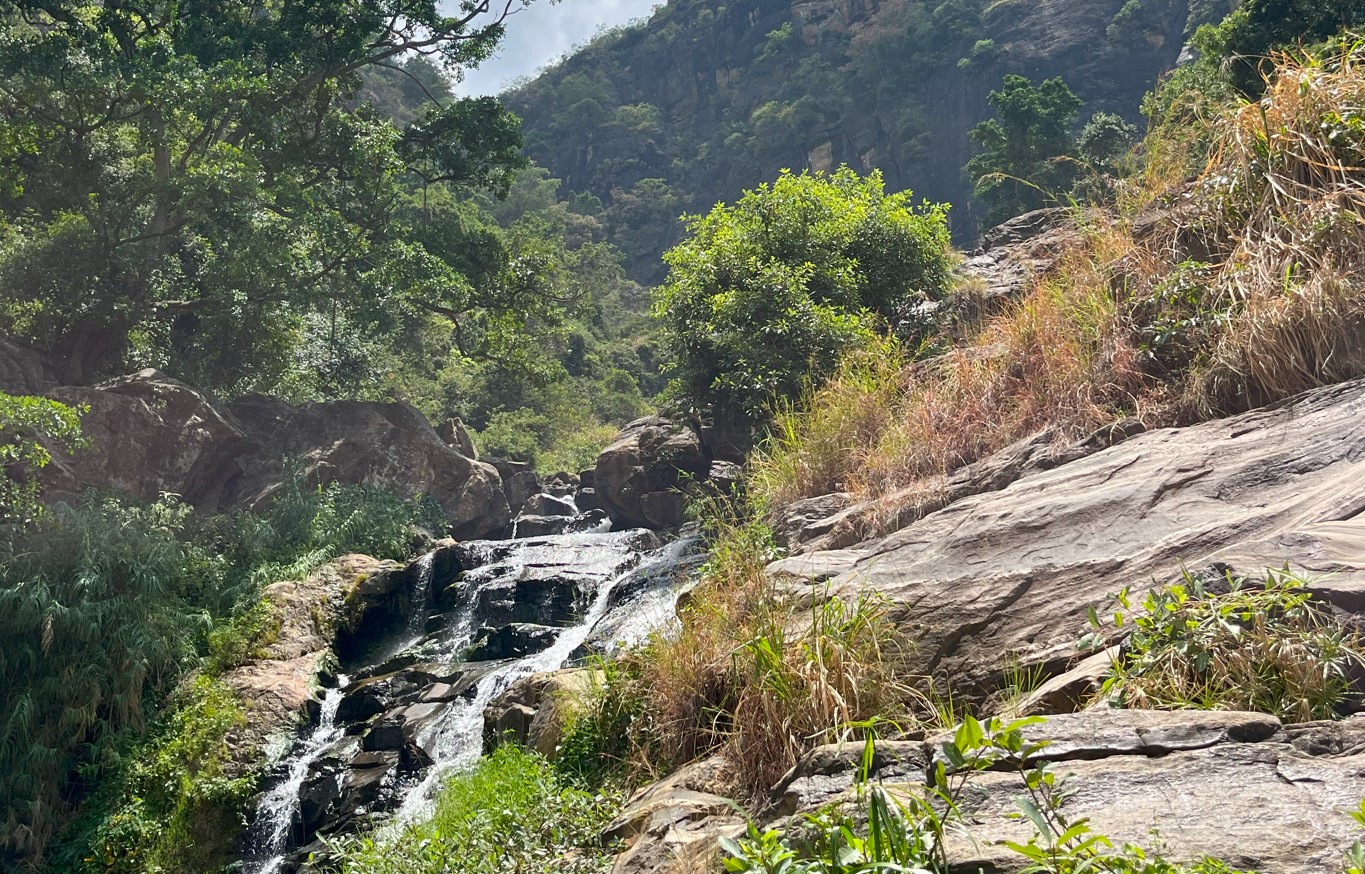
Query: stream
x=409, y=711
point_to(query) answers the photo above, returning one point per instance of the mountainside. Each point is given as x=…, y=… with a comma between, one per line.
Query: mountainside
x=705, y=99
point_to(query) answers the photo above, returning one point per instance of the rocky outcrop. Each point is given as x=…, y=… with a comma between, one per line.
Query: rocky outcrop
x=277, y=685
x=390, y=446
x=24, y=371
x=641, y=477
x=535, y=711
x=1009, y=572
x=1239, y=787
x=148, y=434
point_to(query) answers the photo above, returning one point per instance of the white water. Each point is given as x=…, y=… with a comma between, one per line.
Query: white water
x=279, y=809
x=455, y=741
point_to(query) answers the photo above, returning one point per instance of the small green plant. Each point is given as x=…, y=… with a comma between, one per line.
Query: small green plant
x=24, y=423
x=1266, y=647
x=510, y=812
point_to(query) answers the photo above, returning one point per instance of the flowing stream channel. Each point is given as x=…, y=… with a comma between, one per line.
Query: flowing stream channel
x=391, y=729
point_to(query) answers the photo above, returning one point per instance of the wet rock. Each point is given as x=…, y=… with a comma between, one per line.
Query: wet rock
x=542, y=599
x=542, y=526
x=587, y=478
x=542, y=504
x=511, y=641
x=587, y=501
x=384, y=736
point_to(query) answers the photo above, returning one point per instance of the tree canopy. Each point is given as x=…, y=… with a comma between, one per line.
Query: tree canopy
x=196, y=184
x=765, y=295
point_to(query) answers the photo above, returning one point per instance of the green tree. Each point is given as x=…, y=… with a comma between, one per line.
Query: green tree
x=767, y=294
x=1246, y=37
x=184, y=183
x=27, y=424
x=1025, y=149
x=1103, y=140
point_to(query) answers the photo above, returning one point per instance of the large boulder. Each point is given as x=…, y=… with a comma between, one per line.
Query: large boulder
x=1008, y=575
x=535, y=710
x=24, y=371
x=640, y=477
x=147, y=434
x=390, y=446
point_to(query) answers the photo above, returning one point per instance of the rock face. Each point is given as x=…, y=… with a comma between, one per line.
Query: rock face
x=276, y=689
x=1010, y=572
x=389, y=446
x=24, y=371
x=1240, y=787
x=535, y=711
x=639, y=478
x=149, y=434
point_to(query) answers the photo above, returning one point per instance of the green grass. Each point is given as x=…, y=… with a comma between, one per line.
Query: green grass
x=510, y=813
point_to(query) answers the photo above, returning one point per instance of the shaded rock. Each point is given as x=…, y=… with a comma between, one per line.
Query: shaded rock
x=24, y=371
x=389, y=446
x=1070, y=690
x=511, y=641
x=457, y=436
x=804, y=520
x=534, y=711
x=1010, y=574
x=542, y=526
x=587, y=478
x=541, y=504
x=519, y=480
x=587, y=501
x=147, y=434
x=639, y=476
x=545, y=598
x=562, y=484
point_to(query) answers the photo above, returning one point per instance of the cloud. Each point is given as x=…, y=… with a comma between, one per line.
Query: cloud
x=542, y=32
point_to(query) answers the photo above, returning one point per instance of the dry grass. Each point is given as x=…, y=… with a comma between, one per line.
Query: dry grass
x=764, y=674
x=1249, y=290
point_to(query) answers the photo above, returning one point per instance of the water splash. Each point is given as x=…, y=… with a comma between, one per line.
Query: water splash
x=279, y=810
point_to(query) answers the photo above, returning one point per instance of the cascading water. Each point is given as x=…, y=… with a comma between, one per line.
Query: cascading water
x=278, y=811
x=434, y=714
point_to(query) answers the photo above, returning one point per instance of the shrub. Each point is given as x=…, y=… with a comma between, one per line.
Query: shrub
x=97, y=614
x=766, y=295
x=509, y=813
x=1267, y=647
x=23, y=422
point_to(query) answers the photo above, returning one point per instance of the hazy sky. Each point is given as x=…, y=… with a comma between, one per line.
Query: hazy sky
x=540, y=33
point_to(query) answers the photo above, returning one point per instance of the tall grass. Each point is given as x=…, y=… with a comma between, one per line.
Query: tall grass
x=759, y=672
x=1249, y=290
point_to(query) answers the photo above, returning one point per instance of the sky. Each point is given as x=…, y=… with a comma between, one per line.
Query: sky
x=540, y=33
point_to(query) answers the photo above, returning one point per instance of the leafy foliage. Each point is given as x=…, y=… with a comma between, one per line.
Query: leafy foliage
x=24, y=421
x=1267, y=647
x=190, y=185
x=1027, y=151
x=509, y=813
x=767, y=295
x=105, y=605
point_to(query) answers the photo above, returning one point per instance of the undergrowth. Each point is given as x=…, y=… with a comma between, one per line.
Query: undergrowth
x=1231, y=644
x=757, y=671
x=511, y=812
x=105, y=606
x=1249, y=290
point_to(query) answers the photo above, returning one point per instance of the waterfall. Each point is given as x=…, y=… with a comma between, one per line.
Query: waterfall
x=279, y=809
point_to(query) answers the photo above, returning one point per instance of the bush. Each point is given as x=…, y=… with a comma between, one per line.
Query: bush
x=510, y=813
x=23, y=422
x=98, y=612
x=1268, y=648
x=767, y=295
